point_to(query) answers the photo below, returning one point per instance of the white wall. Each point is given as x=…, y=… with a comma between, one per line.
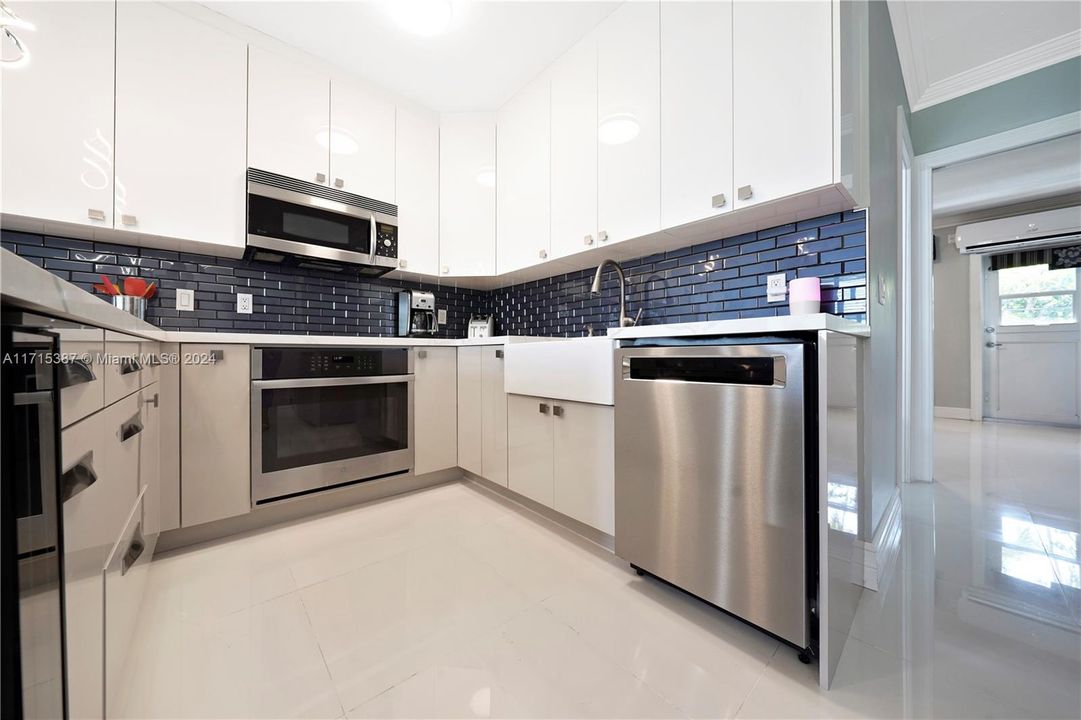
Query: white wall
x=951, y=323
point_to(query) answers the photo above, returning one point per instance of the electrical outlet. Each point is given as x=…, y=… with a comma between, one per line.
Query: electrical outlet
x=185, y=299
x=776, y=287
x=243, y=303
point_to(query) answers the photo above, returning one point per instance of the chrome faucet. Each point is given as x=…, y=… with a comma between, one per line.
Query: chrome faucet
x=624, y=321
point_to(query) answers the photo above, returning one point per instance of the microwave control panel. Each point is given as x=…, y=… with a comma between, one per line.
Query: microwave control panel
x=386, y=239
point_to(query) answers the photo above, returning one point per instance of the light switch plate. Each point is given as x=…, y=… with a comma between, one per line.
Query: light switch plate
x=881, y=289
x=243, y=303
x=185, y=299
x=441, y=316
x=776, y=287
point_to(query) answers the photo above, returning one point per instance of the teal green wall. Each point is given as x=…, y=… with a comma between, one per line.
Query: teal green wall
x=1039, y=95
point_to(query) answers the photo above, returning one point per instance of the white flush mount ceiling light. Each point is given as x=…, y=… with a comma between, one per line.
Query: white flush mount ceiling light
x=426, y=18
x=486, y=176
x=618, y=129
x=338, y=141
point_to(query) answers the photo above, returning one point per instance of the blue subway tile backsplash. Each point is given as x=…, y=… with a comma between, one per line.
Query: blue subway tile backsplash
x=721, y=279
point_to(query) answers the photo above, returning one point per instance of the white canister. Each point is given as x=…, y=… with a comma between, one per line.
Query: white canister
x=804, y=296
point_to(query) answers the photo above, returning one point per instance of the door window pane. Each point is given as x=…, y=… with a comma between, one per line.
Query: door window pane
x=1035, y=279
x=1037, y=309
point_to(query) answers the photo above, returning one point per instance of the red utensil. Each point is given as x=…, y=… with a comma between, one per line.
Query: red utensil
x=109, y=287
x=136, y=287
x=102, y=289
x=150, y=290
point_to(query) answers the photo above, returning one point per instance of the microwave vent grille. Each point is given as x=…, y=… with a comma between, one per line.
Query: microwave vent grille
x=309, y=188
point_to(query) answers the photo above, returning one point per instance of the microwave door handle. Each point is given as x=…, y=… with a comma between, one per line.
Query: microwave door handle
x=371, y=238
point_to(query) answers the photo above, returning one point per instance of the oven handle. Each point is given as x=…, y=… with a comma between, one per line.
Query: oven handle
x=327, y=382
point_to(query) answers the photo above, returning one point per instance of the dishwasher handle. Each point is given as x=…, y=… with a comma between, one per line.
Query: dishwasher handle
x=749, y=370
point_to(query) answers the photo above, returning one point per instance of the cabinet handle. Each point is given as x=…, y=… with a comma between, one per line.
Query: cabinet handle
x=543, y=408
x=557, y=410
x=499, y=354
x=95, y=214
x=129, y=365
x=719, y=200
x=152, y=401
x=603, y=235
x=217, y=355
x=78, y=477
x=446, y=269
x=75, y=372
x=339, y=183
x=588, y=239
x=131, y=428
x=129, y=220
x=134, y=551
x=421, y=354
x=745, y=192
x=543, y=254
x=403, y=263
x=320, y=177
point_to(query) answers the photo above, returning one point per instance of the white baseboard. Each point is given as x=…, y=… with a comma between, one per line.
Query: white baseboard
x=952, y=413
x=874, y=560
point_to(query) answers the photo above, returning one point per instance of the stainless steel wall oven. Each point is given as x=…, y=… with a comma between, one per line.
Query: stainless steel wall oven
x=328, y=417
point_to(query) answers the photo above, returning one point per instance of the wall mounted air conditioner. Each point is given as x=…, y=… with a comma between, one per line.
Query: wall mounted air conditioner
x=1051, y=228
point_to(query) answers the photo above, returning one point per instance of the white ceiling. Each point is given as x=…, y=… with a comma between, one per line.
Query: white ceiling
x=951, y=47
x=491, y=50
x=1033, y=172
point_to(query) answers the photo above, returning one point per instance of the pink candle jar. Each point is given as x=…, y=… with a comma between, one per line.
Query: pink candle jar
x=804, y=296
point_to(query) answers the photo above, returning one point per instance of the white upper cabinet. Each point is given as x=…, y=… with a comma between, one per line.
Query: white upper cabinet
x=574, y=149
x=467, y=180
x=696, y=115
x=628, y=122
x=523, y=201
x=288, y=117
x=783, y=98
x=417, y=193
x=361, y=141
x=57, y=143
x=180, y=120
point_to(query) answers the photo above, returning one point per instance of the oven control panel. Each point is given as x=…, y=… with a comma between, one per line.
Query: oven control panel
x=386, y=240
x=293, y=362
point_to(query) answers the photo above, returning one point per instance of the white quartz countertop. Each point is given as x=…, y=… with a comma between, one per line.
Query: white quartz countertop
x=745, y=326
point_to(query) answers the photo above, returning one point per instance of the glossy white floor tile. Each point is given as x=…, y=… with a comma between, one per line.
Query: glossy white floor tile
x=449, y=603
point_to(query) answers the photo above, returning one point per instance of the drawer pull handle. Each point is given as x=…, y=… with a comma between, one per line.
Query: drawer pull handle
x=131, y=428
x=134, y=551
x=557, y=410
x=78, y=477
x=499, y=353
x=152, y=401
x=75, y=372
x=422, y=354
x=129, y=365
x=543, y=408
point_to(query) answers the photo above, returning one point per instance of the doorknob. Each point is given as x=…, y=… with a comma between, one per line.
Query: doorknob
x=989, y=329
x=992, y=344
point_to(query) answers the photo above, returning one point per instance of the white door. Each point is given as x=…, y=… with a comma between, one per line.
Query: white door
x=696, y=115
x=782, y=98
x=529, y=448
x=574, y=149
x=57, y=146
x=288, y=117
x=628, y=122
x=470, y=409
x=436, y=416
x=467, y=183
x=523, y=168
x=585, y=457
x=493, y=416
x=417, y=191
x=180, y=127
x=1032, y=344
x=361, y=141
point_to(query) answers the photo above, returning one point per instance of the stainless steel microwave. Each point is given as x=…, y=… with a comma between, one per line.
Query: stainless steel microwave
x=304, y=224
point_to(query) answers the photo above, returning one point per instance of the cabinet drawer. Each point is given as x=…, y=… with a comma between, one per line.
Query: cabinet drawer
x=81, y=373
x=125, y=583
x=123, y=367
x=150, y=356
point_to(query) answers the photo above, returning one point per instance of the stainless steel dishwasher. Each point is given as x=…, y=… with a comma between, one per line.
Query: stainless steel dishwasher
x=711, y=477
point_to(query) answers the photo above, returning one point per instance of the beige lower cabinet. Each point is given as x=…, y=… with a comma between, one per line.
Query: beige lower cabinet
x=435, y=415
x=168, y=391
x=470, y=409
x=493, y=425
x=149, y=479
x=562, y=455
x=123, y=369
x=82, y=379
x=215, y=432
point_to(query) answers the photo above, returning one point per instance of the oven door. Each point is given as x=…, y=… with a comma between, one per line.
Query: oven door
x=313, y=434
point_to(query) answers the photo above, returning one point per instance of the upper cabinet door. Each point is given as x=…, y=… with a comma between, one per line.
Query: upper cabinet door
x=180, y=123
x=628, y=122
x=696, y=116
x=57, y=143
x=574, y=149
x=361, y=141
x=467, y=182
x=288, y=118
x=417, y=192
x=523, y=198
x=783, y=98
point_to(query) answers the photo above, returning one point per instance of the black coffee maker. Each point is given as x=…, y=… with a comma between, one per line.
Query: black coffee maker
x=416, y=314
